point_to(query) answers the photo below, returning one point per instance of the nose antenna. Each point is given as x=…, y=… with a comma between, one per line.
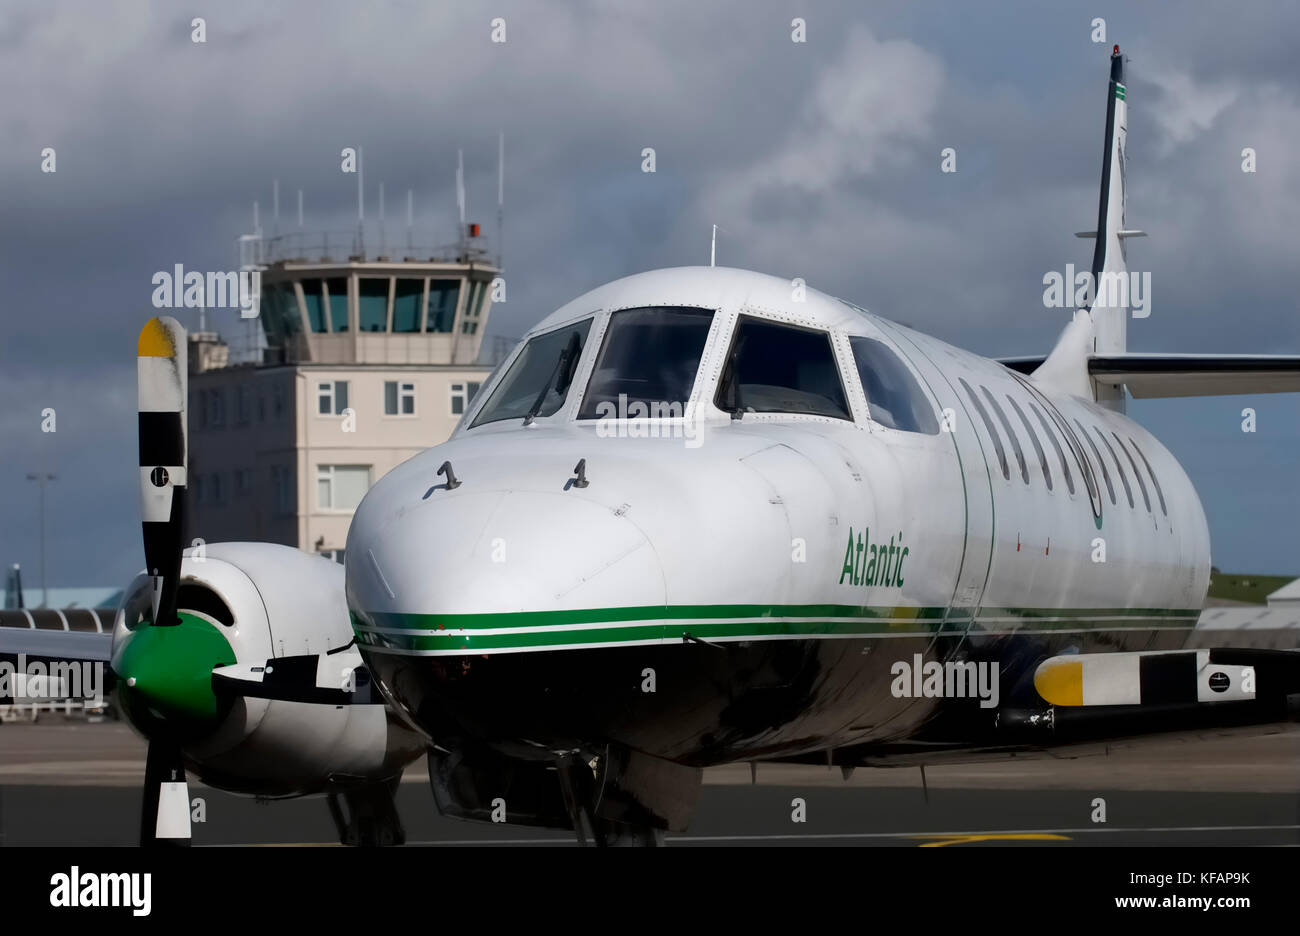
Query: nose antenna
x=452, y=481
x=580, y=470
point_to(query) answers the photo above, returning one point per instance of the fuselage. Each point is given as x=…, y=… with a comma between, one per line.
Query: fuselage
x=737, y=581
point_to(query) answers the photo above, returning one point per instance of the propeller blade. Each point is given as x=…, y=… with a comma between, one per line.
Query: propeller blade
x=163, y=378
x=165, y=810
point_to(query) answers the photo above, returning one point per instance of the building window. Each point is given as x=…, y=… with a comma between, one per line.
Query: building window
x=372, y=307
x=217, y=487
x=261, y=408
x=337, y=290
x=399, y=398
x=314, y=297
x=462, y=395
x=277, y=400
x=243, y=481
x=443, y=296
x=243, y=405
x=282, y=486
x=408, y=296
x=341, y=487
x=198, y=488
x=216, y=408
x=331, y=397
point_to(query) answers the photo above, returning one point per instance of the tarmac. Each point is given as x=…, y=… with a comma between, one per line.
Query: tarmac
x=67, y=782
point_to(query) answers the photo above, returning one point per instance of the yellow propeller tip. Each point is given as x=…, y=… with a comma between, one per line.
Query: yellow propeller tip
x=155, y=340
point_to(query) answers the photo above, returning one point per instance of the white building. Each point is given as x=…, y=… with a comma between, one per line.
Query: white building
x=365, y=363
x=1288, y=596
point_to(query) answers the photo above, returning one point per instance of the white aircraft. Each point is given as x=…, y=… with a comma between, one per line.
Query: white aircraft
x=704, y=516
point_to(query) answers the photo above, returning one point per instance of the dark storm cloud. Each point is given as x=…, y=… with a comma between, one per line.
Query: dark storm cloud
x=818, y=160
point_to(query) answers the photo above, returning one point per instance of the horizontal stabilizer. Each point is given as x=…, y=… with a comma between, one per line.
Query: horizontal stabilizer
x=1182, y=375
x=1187, y=375
x=1090, y=234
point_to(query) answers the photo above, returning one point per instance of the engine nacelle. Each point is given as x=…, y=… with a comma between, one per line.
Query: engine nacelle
x=251, y=604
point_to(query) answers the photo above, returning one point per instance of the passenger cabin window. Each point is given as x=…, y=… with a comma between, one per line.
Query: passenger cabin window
x=537, y=383
x=988, y=427
x=894, y=398
x=647, y=363
x=776, y=368
x=1128, y=491
x=1142, y=485
x=1056, y=444
x=1154, y=480
x=1006, y=424
x=1033, y=437
x=1105, y=472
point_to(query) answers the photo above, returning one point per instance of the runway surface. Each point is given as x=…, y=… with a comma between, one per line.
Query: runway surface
x=70, y=783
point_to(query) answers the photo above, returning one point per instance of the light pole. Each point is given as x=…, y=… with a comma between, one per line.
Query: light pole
x=42, y=478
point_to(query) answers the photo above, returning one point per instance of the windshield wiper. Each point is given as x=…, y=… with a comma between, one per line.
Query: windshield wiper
x=729, y=380
x=561, y=372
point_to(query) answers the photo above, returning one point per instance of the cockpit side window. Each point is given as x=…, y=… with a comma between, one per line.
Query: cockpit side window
x=647, y=363
x=537, y=383
x=777, y=368
x=894, y=398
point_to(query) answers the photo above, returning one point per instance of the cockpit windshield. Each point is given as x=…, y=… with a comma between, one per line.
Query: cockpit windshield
x=538, y=380
x=777, y=368
x=647, y=362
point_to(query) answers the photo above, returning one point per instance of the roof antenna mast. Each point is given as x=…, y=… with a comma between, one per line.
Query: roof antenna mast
x=501, y=198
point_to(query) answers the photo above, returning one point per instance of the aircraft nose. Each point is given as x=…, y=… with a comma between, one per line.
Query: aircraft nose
x=461, y=572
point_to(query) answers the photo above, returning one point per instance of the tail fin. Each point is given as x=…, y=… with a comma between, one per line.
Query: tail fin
x=1107, y=319
x=1110, y=310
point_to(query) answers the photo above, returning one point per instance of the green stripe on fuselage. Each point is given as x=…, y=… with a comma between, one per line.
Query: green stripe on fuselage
x=477, y=633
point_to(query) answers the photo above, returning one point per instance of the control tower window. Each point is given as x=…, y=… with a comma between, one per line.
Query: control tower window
x=649, y=357
x=407, y=297
x=538, y=381
x=775, y=368
x=338, y=296
x=894, y=398
x=443, y=296
x=372, y=312
x=280, y=312
x=312, y=295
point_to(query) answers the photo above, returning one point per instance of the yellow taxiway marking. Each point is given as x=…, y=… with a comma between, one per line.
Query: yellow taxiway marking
x=990, y=837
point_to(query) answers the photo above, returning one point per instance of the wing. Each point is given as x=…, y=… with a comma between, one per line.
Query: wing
x=56, y=643
x=70, y=634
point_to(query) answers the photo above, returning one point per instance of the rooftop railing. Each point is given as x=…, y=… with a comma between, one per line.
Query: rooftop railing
x=355, y=246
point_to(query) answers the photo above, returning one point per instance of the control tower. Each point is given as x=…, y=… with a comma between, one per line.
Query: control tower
x=361, y=356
